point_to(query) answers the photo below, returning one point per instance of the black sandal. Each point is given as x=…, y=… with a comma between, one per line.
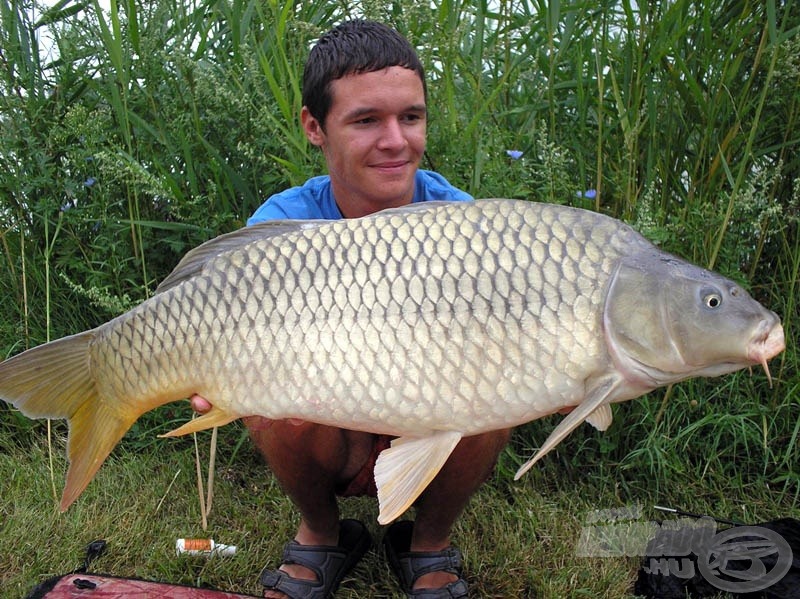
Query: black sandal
x=408, y=566
x=330, y=564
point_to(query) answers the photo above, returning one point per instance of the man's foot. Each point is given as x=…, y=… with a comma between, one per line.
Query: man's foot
x=315, y=571
x=423, y=574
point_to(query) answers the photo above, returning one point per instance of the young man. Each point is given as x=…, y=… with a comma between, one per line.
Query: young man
x=364, y=106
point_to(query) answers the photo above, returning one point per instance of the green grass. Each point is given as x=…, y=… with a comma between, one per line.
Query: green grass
x=160, y=124
x=515, y=536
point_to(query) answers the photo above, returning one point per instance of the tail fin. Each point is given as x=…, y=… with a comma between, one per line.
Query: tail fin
x=55, y=380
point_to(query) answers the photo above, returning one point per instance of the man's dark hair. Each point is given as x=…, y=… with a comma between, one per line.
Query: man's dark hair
x=357, y=46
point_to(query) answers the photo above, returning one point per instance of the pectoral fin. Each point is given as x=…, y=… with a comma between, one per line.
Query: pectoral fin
x=594, y=407
x=404, y=470
x=214, y=417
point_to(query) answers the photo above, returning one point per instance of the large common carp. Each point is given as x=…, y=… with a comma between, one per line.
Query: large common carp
x=430, y=322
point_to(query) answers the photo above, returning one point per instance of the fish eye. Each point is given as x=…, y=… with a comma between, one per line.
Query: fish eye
x=712, y=300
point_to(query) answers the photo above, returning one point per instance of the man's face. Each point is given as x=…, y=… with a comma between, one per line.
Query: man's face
x=373, y=140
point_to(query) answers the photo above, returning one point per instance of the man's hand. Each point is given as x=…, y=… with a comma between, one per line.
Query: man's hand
x=199, y=404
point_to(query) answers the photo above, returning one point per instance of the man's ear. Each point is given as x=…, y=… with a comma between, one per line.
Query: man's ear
x=311, y=127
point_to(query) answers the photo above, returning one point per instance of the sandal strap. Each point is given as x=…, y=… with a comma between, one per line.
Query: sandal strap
x=294, y=588
x=414, y=564
x=455, y=590
x=408, y=566
x=318, y=559
x=329, y=563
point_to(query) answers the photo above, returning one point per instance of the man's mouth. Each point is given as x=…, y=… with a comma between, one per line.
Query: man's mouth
x=395, y=165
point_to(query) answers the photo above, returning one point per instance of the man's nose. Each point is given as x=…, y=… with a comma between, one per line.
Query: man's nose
x=392, y=135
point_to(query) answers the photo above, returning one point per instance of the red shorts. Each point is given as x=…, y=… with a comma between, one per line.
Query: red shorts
x=363, y=483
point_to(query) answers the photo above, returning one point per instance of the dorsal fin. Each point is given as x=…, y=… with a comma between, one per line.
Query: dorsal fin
x=416, y=207
x=195, y=260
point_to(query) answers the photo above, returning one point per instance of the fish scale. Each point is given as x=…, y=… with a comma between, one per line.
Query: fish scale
x=397, y=354
x=430, y=322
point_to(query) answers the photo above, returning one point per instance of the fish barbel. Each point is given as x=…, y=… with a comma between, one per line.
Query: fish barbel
x=430, y=322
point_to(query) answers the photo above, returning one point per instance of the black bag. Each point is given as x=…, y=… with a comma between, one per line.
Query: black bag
x=750, y=562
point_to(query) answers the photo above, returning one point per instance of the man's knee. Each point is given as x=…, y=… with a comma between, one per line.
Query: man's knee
x=480, y=452
x=493, y=442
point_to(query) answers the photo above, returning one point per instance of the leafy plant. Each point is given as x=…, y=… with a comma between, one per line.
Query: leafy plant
x=132, y=134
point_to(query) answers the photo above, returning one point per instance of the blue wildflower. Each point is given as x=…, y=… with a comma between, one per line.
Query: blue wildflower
x=514, y=154
x=589, y=194
x=89, y=182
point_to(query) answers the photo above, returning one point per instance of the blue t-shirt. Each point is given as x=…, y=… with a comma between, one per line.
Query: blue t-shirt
x=314, y=199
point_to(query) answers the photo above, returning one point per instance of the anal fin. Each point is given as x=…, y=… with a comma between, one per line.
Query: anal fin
x=404, y=470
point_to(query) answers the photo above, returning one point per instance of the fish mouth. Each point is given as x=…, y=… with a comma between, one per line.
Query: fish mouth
x=767, y=343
